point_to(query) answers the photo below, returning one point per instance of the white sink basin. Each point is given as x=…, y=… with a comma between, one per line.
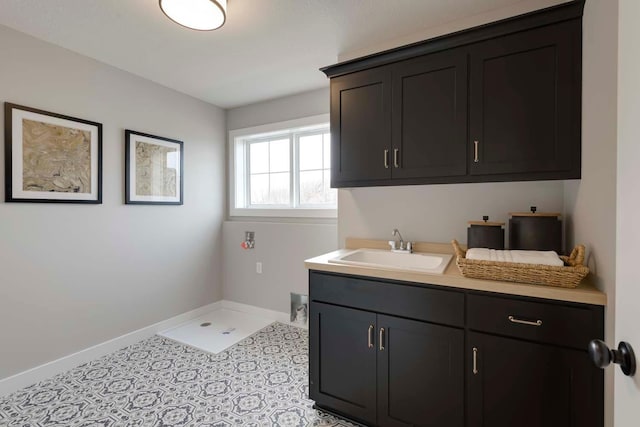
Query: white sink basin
x=421, y=262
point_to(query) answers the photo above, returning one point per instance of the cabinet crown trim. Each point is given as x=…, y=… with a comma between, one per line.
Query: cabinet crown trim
x=539, y=18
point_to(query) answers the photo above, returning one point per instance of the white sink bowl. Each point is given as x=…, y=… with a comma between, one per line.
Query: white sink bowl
x=420, y=262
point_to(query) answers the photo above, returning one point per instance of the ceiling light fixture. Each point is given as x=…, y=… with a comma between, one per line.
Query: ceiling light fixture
x=202, y=15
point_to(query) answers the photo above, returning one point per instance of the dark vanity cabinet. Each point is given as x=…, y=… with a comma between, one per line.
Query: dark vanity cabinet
x=388, y=353
x=500, y=102
x=367, y=339
x=529, y=365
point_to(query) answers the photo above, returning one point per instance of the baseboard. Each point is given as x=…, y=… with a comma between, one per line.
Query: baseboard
x=23, y=379
x=276, y=316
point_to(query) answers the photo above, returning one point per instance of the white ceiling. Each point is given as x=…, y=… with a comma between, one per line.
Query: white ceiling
x=266, y=49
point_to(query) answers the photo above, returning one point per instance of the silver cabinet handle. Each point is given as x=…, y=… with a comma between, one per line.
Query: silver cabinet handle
x=525, y=322
x=386, y=159
x=395, y=157
x=370, y=336
x=381, y=339
x=475, y=361
x=475, y=152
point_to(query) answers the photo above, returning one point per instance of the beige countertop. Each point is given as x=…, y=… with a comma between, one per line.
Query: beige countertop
x=585, y=292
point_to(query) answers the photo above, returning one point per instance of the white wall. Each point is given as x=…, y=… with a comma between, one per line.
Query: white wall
x=77, y=275
x=282, y=245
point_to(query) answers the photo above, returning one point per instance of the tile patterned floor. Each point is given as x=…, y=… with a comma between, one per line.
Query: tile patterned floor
x=261, y=381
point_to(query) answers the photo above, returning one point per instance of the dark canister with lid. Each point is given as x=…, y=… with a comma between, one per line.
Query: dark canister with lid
x=536, y=231
x=485, y=234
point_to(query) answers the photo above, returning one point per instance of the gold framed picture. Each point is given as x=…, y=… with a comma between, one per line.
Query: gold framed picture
x=51, y=158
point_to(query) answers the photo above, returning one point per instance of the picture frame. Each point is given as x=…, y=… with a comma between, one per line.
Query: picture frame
x=154, y=169
x=50, y=157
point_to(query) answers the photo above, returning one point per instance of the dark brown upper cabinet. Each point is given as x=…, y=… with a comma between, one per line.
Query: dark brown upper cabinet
x=429, y=116
x=361, y=126
x=499, y=102
x=525, y=103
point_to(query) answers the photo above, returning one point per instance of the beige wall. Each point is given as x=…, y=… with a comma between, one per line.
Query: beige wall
x=590, y=203
x=282, y=244
x=77, y=275
x=627, y=411
x=281, y=247
x=439, y=213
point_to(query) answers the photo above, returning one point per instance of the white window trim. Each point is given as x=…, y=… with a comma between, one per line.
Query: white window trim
x=236, y=175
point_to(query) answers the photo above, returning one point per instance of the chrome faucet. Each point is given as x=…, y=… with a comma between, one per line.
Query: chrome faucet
x=402, y=248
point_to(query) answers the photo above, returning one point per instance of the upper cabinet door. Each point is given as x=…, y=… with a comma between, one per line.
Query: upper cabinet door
x=525, y=103
x=429, y=116
x=361, y=127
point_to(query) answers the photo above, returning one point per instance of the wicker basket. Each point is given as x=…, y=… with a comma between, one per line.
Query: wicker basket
x=568, y=276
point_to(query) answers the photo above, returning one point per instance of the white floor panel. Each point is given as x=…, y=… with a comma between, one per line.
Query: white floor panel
x=223, y=328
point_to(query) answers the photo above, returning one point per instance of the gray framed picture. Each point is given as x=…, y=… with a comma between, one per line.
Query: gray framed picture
x=51, y=158
x=153, y=169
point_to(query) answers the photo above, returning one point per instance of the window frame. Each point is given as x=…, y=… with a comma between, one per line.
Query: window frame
x=239, y=163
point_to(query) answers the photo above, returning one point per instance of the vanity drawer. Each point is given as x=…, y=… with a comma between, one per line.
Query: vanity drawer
x=394, y=298
x=564, y=325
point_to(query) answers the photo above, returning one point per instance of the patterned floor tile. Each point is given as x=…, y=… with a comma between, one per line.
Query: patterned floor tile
x=260, y=382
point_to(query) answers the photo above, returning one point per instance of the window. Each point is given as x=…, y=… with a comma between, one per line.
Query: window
x=283, y=170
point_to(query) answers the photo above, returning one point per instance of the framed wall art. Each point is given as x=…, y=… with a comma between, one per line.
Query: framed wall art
x=51, y=158
x=153, y=169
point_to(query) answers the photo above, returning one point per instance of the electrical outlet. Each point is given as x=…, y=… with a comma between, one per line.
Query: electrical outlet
x=259, y=267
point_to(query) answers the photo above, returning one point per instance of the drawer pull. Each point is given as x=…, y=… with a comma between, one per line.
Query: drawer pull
x=475, y=361
x=370, y=336
x=475, y=152
x=386, y=159
x=381, y=339
x=395, y=158
x=525, y=322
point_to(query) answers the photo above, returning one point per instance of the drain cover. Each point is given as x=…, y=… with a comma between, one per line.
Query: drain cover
x=205, y=324
x=228, y=331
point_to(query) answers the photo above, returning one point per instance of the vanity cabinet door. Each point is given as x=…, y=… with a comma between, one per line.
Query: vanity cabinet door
x=519, y=383
x=342, y=360
x=420, y=374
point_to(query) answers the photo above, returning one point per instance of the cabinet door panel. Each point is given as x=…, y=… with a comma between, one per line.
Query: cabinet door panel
x=525, y=102
x=531, y=385
x=361, y=126
x=420, y=374
x=342, y=365
x=430, y=115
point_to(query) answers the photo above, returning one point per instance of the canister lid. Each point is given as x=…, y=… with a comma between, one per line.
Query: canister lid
x=556, y=214
x=485, y=221
x=488, y=223
x=535, y=213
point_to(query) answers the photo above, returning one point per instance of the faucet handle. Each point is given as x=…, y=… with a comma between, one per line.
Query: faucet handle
x=392, y=243
x=410, y=246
